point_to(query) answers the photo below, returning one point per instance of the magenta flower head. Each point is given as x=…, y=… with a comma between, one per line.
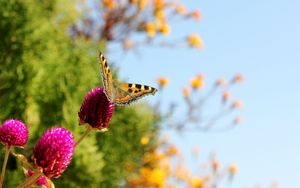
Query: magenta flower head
x=96, y=109
x=53, y=152
x=13, y=133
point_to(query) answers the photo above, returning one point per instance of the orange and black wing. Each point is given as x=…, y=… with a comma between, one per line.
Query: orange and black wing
x=126, y=93
x=106, y=77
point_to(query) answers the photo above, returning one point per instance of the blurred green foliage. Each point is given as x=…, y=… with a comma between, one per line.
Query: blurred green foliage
x=14, y=71
x=44, y=76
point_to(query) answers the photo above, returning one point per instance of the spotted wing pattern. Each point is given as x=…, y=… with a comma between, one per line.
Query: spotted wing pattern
x=121, y=93
x=106, y=77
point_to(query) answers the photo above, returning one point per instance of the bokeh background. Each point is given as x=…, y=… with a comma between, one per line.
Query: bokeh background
x=247, y=49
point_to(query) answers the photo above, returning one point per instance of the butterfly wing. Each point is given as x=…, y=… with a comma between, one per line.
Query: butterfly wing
x=106, y=77
x=121, y=93
x=126, y=93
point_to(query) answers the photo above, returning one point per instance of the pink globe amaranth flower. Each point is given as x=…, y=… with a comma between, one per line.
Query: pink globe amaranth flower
x=14, y=133
x=53, y=152
x=96, y=109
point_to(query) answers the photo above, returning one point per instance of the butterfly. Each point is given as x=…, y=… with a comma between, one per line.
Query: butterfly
x=121, y=93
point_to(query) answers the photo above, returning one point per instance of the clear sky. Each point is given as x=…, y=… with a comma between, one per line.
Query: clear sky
x=261, y=39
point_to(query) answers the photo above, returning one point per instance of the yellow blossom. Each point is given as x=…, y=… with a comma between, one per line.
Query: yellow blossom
x=157, y=177
x=110, y=4
x=180, y=9
x=233, y=168
x=195, y=41
x=238, y=78
x=163, y=81
x=151, y=29
x=196, y=15
x=215, y=165
x=145, y=172
x=142, y=4
x=237, y=104
x=144, y=140
x=153, y=157
x=172, y=150
x=160, y=15
x=165, y=29
x=197, y=82
x=159, y=4
x=197, y=182
x=225, y=96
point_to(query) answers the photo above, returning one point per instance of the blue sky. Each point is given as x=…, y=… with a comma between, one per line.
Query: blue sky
x=261, y=39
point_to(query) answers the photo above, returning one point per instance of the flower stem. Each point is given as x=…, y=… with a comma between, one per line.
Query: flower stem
x=7, y=150
x=87, y=132
x=31, y=180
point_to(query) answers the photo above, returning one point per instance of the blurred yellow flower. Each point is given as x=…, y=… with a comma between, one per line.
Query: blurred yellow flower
x=186, y=92
x=197, y=182
x=215, y=165
x=165, y=29
x=110, y=4
x=150, y=29
x=145, y=172
x=180, y=9
x=195, y=41
x=160, y=15
x=163, y=81
x=159, y=4
x=172, y=150
x=144, y=140
x=197, y=82
x=141, y=4
x=238, y=78
x=225, y=96
x=153, y=157
x=157, y=177
x=237, y=104
x=233, y=168
x=196, y=15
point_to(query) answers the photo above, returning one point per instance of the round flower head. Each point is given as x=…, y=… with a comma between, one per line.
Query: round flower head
x=53, y=152
x=13, y=133
x=96, y=109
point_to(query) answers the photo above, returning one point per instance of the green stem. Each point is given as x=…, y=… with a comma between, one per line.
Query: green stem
x=31, y=180
x=87, y=132
x=7, y=150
